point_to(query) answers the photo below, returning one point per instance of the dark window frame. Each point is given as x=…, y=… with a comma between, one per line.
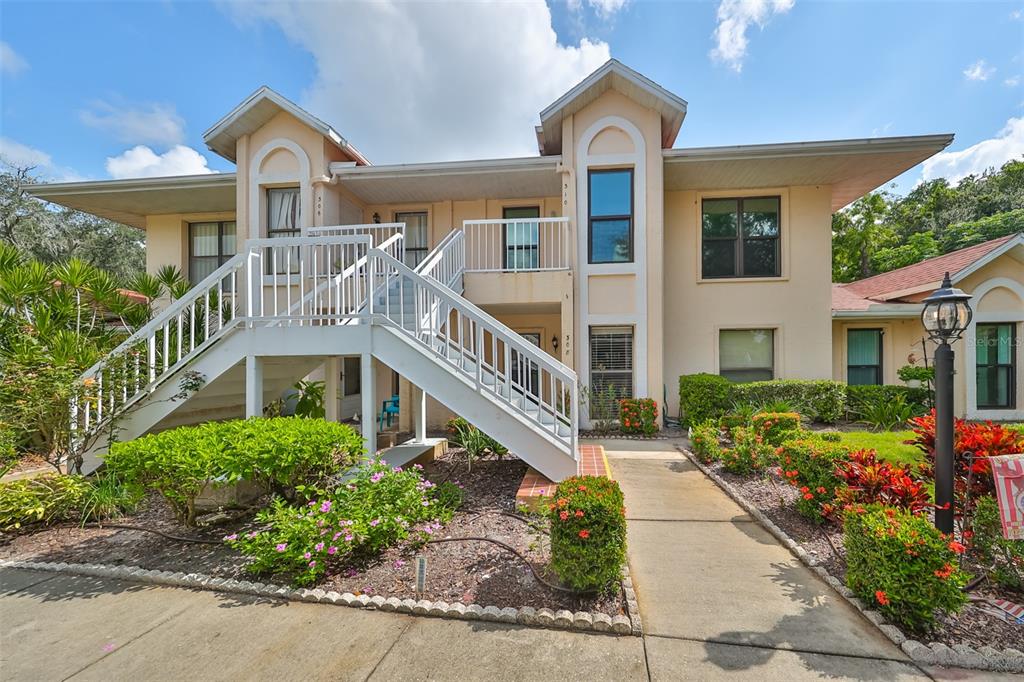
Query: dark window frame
x=1011, y=389
x=739, y=239
x=591, y=219
x=221, y=257
x=879, y=380
x=420, y=251
x=517, y=248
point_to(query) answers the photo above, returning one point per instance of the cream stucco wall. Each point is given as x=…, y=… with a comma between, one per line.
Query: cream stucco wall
x=796, y=305
x=167, y=238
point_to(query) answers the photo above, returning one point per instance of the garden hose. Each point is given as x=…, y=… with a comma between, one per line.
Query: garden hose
x=176, y=538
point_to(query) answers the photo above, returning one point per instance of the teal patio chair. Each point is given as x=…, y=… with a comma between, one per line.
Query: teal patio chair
x=388, y=410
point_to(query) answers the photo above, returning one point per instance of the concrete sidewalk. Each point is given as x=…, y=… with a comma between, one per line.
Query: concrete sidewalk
x=56, y=627
x=718, y=594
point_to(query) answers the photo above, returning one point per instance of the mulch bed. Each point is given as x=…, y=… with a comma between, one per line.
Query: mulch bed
x=776, y=498
x=467, y=572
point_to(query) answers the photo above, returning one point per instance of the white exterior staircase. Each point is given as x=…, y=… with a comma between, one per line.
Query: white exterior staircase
x=293, y=302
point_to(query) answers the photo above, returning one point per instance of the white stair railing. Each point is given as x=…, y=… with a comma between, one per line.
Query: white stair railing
x=334, y=280
x=378, y=232
x=499, y=362
x=447, y=261
x=517, y=245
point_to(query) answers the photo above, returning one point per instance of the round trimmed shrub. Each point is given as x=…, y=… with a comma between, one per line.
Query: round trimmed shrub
x=588, y=532
x=703, y=396
x=899, y=562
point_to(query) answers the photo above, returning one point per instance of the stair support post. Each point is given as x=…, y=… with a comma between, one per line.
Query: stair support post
x=369, y=425
x=253, y=386
x=332, y=388
x=419, y=402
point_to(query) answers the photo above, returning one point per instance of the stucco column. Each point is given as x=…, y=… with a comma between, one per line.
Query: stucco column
x=369, y=424
x=566, y=352
x=332, y=388
x=253, y=386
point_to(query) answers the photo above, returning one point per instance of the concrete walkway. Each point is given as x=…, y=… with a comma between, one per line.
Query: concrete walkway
x=720, y=596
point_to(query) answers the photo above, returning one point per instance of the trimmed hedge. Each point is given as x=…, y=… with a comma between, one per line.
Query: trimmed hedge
x=858, y=397
x=820, y=399
x=290, y=455
x=588, y=532
x=703, y=397
x=704, y=439
x=809, y=464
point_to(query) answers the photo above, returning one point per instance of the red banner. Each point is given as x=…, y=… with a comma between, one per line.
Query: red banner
x=1008, y=471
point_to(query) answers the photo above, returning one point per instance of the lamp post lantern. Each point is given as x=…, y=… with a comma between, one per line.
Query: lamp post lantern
x=945, y=316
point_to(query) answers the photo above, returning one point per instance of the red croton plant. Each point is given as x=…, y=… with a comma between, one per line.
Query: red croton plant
x=869, y=480
x=973, y=444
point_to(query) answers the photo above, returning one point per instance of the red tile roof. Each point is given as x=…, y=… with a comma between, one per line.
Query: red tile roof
x=924, y=273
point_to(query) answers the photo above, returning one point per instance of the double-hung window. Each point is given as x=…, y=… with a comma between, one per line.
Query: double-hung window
x=210, y=245
x=996, y=366
x=522, y=238
x=864, y=357
x=746, y=354
x=611, y=215
x=611, y=365
x=740, y=237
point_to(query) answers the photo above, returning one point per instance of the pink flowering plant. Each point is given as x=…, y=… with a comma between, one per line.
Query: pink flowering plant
x=374, y=509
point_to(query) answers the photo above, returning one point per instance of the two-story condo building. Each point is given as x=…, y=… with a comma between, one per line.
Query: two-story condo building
x=494, y=288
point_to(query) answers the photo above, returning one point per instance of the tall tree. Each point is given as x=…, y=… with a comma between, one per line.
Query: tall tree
x=54, y=234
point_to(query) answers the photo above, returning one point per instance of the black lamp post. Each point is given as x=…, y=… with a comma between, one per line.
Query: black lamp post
x=945, y=317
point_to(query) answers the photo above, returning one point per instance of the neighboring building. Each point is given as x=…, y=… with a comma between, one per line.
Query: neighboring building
x=621, y=258
x=876, y=326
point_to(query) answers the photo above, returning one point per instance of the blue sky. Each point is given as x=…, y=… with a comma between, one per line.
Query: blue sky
x=98, y=90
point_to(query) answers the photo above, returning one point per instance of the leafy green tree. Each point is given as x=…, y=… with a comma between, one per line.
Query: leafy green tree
x=857, y=232
x=53, y=234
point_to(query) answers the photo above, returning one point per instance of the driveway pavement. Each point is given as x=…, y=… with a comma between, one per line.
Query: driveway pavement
x=720, y=600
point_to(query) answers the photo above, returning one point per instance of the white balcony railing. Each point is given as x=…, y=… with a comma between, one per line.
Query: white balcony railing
x=520, y=245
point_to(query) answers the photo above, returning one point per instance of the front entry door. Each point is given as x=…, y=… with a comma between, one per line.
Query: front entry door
x=416, y=236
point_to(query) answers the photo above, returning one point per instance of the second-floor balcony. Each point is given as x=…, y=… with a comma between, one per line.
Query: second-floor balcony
x=518, y=245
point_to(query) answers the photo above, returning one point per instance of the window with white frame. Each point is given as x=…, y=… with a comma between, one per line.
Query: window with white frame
x=746, y=354
x=610, y=237
x=611, y=364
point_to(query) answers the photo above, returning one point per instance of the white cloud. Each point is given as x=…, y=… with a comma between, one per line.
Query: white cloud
x=991, y=153
x=21, y=155
x=734, y=18
x=607, y=8
x=1016, y=14
x=979, y=71
x=1012, y=81
x=147, y=124
x=142, y=162
x=881, y=130
x=11, y=63
x=431, y=81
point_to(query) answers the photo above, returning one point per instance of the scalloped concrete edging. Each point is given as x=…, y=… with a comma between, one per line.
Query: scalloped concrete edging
x=935, y=653
x=583, y=621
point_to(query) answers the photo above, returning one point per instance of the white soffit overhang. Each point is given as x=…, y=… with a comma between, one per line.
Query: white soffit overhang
x=881, y=311
x=130, y=201
x=852, y=167
x=255, y=111
x=613, y=75
x=522, y=178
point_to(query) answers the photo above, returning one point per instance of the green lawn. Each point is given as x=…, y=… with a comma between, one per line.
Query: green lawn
x=889, y=445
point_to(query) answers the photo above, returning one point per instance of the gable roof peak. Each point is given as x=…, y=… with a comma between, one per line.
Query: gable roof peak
x=612, y=75
x=254, y=112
